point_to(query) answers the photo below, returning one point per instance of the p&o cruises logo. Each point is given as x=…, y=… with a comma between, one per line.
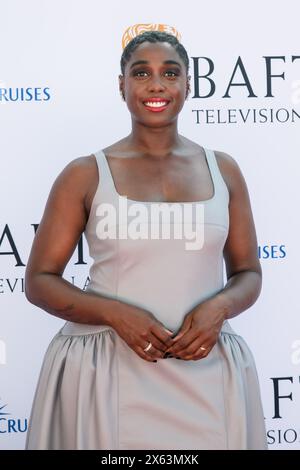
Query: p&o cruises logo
x=10, y=424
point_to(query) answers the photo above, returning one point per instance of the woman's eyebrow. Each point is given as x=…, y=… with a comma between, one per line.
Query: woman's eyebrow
x=139, y=62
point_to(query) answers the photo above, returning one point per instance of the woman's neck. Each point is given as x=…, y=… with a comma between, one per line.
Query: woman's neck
x=157, y=141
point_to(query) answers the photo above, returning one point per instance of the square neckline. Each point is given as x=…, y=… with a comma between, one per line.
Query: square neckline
x=203, y=201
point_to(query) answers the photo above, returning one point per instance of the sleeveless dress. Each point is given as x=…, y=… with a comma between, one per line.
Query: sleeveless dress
x=95, y=392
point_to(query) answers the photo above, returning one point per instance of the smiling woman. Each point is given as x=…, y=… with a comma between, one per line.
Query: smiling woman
x=110, y=377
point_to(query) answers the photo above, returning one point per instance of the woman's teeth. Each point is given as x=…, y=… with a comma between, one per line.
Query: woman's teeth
x=155, y=104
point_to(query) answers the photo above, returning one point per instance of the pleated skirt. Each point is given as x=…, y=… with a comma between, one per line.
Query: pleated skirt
x=94, y=392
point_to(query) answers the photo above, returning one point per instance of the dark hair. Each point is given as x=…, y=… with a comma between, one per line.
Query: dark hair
x=154, y=36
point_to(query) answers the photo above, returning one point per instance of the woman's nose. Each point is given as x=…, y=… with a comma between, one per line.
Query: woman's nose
x=156, y=84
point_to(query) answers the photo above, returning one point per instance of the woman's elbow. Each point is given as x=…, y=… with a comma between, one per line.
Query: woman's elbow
x=29, y=287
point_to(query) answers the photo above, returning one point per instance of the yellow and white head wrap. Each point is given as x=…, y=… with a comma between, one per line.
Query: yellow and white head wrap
x=133, y=31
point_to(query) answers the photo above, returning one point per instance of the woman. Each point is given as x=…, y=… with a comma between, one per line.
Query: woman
x=111, y=378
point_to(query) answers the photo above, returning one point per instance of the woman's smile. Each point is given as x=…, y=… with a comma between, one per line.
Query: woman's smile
x=156, y=104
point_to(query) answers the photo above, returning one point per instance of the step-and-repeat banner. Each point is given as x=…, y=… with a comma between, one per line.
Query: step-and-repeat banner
x=59, y=100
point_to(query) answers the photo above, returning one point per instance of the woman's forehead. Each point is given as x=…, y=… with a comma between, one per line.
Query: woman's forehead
x=158, y=50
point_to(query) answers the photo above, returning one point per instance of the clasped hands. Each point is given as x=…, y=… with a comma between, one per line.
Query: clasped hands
x=199, y=331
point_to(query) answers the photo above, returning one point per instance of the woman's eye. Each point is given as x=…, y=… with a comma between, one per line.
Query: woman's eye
x=140, y=73
x=144, y=73
x=172, y=72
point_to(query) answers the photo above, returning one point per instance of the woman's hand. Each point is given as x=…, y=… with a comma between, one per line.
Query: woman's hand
x=199, y=331
x=137, y=327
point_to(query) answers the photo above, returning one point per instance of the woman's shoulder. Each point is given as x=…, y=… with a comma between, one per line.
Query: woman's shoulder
x=81, y=165
x=227, y=164
x=230, y=171
x=80, y=168
x=78, y=177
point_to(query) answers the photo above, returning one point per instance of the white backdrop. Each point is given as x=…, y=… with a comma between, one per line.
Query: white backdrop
x=67, y=53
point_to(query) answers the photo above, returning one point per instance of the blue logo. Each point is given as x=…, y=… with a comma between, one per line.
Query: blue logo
x=272, y=251
x=12, y=424
x=1, y=412
x=24, y=94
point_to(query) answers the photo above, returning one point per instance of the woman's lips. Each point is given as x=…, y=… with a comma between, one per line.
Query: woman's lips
x=156, y=105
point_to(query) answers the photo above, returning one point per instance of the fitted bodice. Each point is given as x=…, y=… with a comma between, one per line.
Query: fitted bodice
x=165, y=257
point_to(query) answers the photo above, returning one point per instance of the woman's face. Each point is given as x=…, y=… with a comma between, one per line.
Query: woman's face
x=155, y=84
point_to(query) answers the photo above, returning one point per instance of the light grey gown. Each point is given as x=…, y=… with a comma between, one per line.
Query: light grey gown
x=95, y=392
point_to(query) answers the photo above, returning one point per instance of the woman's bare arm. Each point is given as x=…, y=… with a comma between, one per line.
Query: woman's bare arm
x=62, y=224
x=243, y=267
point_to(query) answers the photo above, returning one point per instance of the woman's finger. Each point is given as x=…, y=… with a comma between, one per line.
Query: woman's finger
x=162, y=335
x=157, y=348
x=184, y=342
x=145, y=355
x=198, y=348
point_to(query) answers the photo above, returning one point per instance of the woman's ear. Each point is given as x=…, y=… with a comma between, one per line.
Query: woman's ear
x=188, y=86
x=121, y=86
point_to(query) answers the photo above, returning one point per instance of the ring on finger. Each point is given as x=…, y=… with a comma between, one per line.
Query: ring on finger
x=149, y=346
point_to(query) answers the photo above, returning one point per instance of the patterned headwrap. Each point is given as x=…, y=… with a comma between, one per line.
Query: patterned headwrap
x=133, y=31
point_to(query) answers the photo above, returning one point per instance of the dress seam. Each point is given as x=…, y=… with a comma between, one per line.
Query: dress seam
x=81, y=335
x=224, y=401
